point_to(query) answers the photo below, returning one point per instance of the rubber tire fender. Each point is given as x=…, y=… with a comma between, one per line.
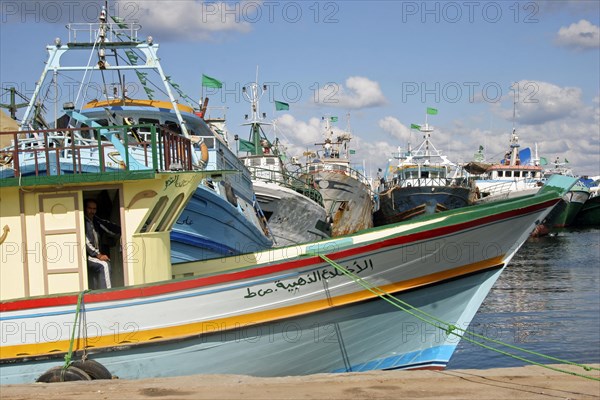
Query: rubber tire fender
x=93, y=368
x=55, y=374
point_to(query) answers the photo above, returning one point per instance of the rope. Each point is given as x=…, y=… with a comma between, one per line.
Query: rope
x=69, y=354
x=452, y=329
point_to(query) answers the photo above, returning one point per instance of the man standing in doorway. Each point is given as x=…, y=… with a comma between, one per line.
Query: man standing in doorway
x=98, y=264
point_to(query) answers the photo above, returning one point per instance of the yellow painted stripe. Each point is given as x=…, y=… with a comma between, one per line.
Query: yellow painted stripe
x=138, y=102
x=126, y=337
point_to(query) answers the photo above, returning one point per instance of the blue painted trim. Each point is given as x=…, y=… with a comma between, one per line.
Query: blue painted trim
x=197, y=241
x=435, y=356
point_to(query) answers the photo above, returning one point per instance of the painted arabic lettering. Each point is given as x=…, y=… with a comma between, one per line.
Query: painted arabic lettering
x=174, y=180
x=324, y=274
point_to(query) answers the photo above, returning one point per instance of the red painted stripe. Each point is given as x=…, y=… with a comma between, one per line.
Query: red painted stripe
x=164, y=288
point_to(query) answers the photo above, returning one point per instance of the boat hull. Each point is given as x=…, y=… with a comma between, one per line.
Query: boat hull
x=371, y=335
x=292, y=218
x=212, y=226
x=565, y=212
x=402, y=203
x=347, y=201
x=589, y=215
x=443, y=264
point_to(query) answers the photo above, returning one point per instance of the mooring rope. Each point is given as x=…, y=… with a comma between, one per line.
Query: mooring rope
x=69, y=354
x=452, y=329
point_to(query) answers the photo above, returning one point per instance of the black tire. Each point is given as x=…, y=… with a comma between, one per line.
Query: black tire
x=93, y=368
x=56, y=374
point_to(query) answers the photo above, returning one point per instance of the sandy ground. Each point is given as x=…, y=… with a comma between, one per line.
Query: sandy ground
x=503, y=383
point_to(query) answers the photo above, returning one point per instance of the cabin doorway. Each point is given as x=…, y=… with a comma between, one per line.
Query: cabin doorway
x=108, y=208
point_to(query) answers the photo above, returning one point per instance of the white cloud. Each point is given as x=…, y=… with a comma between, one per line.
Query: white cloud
x=539, y=102
x=191, y=20
x=395, y=128
x=359, y=92
x=561, y=123
x=580, y=35
x=300, y=134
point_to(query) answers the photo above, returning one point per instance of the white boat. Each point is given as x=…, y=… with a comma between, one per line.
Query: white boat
x=510, y=177
x=424, y=181
x=292, y=206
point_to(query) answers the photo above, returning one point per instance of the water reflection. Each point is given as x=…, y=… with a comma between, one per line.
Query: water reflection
x=547, y=300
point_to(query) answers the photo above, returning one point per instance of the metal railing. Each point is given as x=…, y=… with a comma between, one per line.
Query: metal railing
x=302, y=186
x=77, y=151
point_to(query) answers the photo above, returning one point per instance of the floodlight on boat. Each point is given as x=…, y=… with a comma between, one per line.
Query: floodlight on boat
x=57, y=42
x=243, y=89
x=69, y=105
x=149, y=40
x=264, y=87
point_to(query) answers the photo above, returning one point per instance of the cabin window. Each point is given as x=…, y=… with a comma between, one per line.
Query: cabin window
x=517, y=174
x=424, y=174
x=255, y=162
x=173, y=126
x=509, y=174
x=500, y=174
x=171, y=213
x=209, y=142
x=145, y=132
x=270, y=161
x=154, y=214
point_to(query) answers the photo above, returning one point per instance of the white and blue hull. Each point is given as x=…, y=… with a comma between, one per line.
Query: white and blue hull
x=372, y=335
x=211, y=227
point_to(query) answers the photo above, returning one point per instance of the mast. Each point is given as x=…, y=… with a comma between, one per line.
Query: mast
x=514, y=139
x=257, y=136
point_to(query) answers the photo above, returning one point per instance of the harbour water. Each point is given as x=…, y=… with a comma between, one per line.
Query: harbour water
x=547, y=300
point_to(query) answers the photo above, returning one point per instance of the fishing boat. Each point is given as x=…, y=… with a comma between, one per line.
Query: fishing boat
x=314, y=307
x=565, y=212
x=317, y=307
x=515, y=175
x=347, y=194
x=589, y=215
x=423, y=182
x=222, y=217
x=292, y=207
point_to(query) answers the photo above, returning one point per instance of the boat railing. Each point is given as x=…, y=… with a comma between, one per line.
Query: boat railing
x=78, y=151
x=86, y=33
x=408, y=182
x=302, y=186
x=345, y=168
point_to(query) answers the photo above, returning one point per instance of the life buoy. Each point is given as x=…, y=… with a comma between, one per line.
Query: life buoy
x=60, y=374
x=204, y=152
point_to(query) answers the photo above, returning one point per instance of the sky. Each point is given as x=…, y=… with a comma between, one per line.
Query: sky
x=376, y=65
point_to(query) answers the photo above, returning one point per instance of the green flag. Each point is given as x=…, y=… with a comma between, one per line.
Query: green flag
x=431, y=111
x=246, y=145
x=415, y=126
x=280, y=106
x=207, y=81
x=566, y=161
x=333, y=119
x=543, y=161
x=352, y=151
